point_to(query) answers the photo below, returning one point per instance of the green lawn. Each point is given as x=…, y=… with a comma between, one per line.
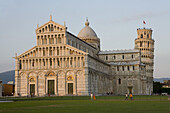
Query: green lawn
x=82, y=104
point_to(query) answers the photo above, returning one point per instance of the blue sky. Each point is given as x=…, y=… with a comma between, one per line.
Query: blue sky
x=114, y=21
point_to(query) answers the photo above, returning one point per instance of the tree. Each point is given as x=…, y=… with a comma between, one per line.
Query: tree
x=157, y=87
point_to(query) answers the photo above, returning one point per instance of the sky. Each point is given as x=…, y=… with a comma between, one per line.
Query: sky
x=114, y=21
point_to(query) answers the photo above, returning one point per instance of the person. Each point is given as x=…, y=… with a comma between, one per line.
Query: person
x=126, y=96
x=111, y=93
x=91, y=96
x=94, y=98
x=131, y=96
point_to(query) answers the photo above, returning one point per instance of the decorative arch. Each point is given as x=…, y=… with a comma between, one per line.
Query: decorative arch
x=40, y=73
x=80, y=73
x=70, y=75
x=32, y=73
x=50, y=73
x=60, y=73
x=22, y=74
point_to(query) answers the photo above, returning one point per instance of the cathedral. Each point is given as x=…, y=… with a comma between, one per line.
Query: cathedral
x=64, y=64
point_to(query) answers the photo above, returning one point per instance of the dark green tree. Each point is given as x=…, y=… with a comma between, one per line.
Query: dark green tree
x=157, y=87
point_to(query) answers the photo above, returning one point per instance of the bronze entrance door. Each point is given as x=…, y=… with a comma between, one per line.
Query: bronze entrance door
x=32, y=89
x=50, y=86
x=130, y=90
x=70, y=88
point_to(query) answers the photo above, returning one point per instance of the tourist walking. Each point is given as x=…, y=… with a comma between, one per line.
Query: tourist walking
x=126, y=98
x=94, y=97
x=91, y=95
x=131, y=96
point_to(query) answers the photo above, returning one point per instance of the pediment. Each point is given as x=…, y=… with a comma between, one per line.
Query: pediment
x=50, y=26
x=32, y=53
x=29, y=53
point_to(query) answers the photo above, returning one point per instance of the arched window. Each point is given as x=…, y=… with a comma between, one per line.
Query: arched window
x=20, y=66
x=45, y=28
x=128, y=68
x=147, y=35
x=123, y=57
x=33, y=63
x=50, y=62
x=141, y=36
x=140, y=44
x=56, y=39
x=42, y=29
x=44, y=62
x=71, y=52
x=123, y=68
x=51, y=27
x=132, y=56
x=148, y=44
x=133, y=67
x=117, y=68
x=119, y=81
x=106, y=57
x=58, y=62
x=54, y=28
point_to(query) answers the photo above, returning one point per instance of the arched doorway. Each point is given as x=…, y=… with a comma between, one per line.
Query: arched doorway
x=70, y=88
x=70, y=85
x=51, y=83
x=50, y=87
x=130, y=89
x=32, y=86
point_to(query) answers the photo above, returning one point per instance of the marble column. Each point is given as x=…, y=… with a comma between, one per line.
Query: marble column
x=27, y=85
x=56, y=85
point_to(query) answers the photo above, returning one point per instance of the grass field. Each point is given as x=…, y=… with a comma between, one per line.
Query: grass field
x=82, y=104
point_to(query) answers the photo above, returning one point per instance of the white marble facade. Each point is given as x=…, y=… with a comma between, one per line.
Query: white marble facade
x=64, y=64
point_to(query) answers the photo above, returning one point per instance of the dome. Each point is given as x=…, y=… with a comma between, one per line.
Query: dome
x=87, y=32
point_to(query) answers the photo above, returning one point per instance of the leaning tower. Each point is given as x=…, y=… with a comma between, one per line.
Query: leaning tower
x=145, y=44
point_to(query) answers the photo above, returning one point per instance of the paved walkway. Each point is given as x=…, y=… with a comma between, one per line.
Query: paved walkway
x=6, y=101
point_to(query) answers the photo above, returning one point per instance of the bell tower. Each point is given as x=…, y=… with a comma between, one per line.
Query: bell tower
x=145, y=44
